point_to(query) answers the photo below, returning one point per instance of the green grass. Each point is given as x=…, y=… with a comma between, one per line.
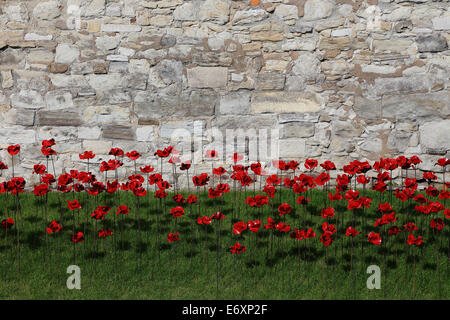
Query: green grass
x=120, y=268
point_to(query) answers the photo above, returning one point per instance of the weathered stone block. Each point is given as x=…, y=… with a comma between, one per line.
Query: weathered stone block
x=58, y=118
x=431, y=43
x=196, y=104
x=297, y=130
x=270, y=81
x=217, y=11
x=66, y=54
x=318, y=9
x=120, y=28
x=118, y=132
x=292, y=148
x=285, y=102
x=89, y=133
x=56, y=100
x=207, y=77
x=441, y=23
x=97, y=146
x=367, y=108
x=235, y=103
x=434, y=136
x=249, y=16
x=47, y=10
x=27, y=99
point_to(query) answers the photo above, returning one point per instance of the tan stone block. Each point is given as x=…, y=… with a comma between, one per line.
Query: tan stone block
x=93, y=26
x=266, y=36
x=285, y=102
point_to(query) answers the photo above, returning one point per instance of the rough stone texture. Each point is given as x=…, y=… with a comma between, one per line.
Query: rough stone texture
x=332, y=79
x=276, y=102
x=207, y=77
x=434, y=136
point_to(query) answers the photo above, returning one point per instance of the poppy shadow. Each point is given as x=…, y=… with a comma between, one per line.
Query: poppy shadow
x=271, y=262
x=95, y=255
x=429, y=266
x=391, y=264
x=191, y=253
x=123, y=245
x=33, y=240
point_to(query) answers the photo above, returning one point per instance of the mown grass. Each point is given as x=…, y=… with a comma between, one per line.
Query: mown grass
x=135, y=264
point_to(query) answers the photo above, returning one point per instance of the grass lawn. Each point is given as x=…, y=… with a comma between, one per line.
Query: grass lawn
x=135, y=264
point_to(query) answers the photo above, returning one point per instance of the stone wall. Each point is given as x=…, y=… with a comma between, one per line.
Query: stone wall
x=339, y=79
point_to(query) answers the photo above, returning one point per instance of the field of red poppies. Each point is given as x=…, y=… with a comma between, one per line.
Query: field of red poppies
x=309, y=231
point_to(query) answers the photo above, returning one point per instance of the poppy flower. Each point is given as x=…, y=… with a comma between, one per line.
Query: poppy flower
x=270, y=224
x=191, y=199
x=177, y=212
x=302, y=200
x=48, y=151
x=116, y=152
x=123, y=209
x=269, y=190
x=351, y=232
x=443, y=162
x=178, y=198
x=239, y=227
x=256, y=168
x=310, y=164
x=362, y=179
x=327, y=212
x=384, y=207
x=437, y=224
x=218, y=171
x=164, y=153
x=273, y=179
x=204, y=220
x=310, y=233
x=133, y=155
x=328, y=165
x=326, y=239
x=48, y=143
x=447, y=213
x=254, y=226
x=298, y=234
x=185, y=165
x=211, y=154
x=335, y=197
x=284, y=208
x=87, y=155
x=171, y=237
x=237, y=248
x=237, y=157
x=411, y=240
x=146, y=169
x=40, y=190
x=200, y=180
x=411, y=227
x=103, y=233
x=3, y=166
x=54, y=227
x=73, y=205
x=218, y=216
x=7, y=223
x=283, y=227
x=100, y=212
x=39, y=169
x=322, y=178
x=328, y=228
x=394, y=230
x=13, y=149
x=429, y=176
x=77, y=237
x=374, y=238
